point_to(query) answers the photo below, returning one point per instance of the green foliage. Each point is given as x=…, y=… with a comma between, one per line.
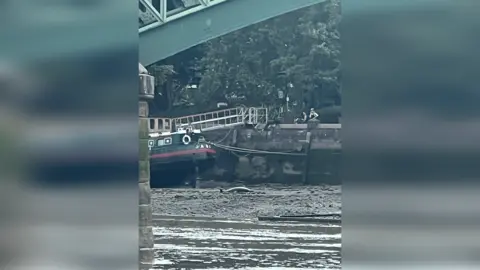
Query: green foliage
x=297, y=53
x=300, y=49
x=161, y=73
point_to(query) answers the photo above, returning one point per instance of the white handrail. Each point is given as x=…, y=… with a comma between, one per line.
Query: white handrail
x=219, y=119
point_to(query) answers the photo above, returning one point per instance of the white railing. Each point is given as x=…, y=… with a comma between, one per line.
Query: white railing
x=212, y=120
x=220, y=119
x=255, y=115
x=159, y=125
x=154, y=13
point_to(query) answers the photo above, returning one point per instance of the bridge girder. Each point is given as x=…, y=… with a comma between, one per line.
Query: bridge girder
x=168, y=31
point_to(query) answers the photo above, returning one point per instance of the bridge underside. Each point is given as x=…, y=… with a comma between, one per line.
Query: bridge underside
x=178, y=35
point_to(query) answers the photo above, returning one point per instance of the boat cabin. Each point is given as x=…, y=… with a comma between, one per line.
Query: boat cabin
x=182, y=137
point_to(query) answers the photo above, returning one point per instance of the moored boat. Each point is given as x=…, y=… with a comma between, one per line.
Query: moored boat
x=175, y=157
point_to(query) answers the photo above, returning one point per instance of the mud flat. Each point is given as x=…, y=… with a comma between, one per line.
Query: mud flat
x=206, y=229
x=265, y=201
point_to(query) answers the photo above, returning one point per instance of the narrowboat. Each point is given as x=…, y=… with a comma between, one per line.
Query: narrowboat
x=177, y=158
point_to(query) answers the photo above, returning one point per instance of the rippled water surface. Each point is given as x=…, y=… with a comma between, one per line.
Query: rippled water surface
x=210, y=243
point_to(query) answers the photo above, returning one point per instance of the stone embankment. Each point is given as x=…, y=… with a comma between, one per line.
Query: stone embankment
x=285, y=167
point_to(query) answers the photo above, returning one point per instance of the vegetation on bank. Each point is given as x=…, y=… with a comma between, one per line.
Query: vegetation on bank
x=297, y=54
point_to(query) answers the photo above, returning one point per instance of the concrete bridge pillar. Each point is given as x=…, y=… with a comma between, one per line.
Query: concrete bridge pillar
x=145, y=208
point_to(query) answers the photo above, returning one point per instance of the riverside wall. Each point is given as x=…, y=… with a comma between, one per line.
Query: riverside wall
x=254, y=168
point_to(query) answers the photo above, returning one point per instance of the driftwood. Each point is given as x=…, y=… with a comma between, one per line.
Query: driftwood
x=303, y=219
x=331, y=215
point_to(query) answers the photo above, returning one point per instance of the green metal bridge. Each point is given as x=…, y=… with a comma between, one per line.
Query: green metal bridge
x=168, y=27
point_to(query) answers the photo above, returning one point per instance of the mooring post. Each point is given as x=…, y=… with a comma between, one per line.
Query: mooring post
x=196, y=176
x=145, y=207
x=306, y=166
x=311, y=125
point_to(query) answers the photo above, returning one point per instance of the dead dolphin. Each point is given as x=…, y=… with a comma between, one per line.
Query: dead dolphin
x=237, y=190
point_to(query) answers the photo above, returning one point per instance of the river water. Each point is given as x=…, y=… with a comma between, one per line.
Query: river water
x=197, y=243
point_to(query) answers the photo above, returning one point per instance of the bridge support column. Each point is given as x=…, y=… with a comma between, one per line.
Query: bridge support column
x=146, y=254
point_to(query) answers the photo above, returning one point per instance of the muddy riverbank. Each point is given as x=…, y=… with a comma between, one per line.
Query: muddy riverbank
x=220, y=231
x=268, y=199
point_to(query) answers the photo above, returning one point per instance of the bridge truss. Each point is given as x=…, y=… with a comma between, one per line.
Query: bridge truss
x=154, y=13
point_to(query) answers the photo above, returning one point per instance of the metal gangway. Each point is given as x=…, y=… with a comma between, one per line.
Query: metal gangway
x=220, y=119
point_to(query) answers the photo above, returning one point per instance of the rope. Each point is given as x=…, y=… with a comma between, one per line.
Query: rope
x=252, y=151
x=228, y=133
x=233, y=153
